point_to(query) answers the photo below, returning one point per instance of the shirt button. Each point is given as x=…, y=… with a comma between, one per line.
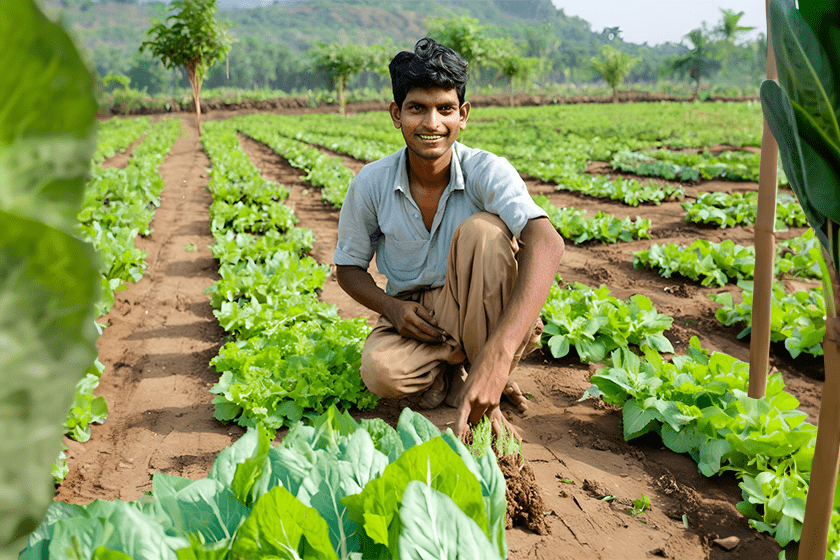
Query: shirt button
x=416, y=215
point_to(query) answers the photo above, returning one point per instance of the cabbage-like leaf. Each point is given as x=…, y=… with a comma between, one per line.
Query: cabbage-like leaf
x=434, y=527
x=280, y=526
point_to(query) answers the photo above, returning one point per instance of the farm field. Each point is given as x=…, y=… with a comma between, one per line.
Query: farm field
x=162, y=332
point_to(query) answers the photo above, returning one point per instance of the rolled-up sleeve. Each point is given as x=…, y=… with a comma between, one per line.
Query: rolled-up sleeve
x=357, y=229
x=504, y=192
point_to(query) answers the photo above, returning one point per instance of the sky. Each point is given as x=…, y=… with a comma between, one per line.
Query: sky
x=660, y=21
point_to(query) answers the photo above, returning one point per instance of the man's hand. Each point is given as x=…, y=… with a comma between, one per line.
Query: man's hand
x=483, y=390
x=412, y=320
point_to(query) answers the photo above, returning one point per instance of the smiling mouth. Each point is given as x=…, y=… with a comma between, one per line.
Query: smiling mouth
x=430, y=137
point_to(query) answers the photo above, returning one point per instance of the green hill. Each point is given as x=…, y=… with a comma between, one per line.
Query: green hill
x=272, y=40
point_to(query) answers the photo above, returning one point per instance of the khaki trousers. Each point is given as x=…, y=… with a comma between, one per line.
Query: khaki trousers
x=480, y=274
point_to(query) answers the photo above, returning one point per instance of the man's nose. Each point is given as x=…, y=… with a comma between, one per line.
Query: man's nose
x=432, y=118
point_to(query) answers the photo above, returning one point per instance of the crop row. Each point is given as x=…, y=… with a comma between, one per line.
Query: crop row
x=118, y=205
x=290, y=354
x=332, y=490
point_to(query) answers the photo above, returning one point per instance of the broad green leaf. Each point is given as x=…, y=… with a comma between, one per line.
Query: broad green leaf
x=434, y=527
x=280, y=526
x=415, y=429
x=639, y=421
x=804, y=71
x=49, y=279
x=203, y=507
x=782, y=122
x=114, y=525
x=434, y=463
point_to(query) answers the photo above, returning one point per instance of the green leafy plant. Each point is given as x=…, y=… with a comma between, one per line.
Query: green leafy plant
x=290, y=354
x=319, y=494
x=574, y=224
x=728, y=210
x=797, y=319
x=698, y=404
x=595, y=323
x=48, y=276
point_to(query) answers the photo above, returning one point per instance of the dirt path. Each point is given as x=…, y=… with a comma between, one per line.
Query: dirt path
x=163, y=335
x=156, y=353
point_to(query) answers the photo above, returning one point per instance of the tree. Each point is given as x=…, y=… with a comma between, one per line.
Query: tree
x=194, y=40
x=614, y=66
x=462, y=34
x=697, y=63
x=342, y=62
x=505, y=56
x=729, y=30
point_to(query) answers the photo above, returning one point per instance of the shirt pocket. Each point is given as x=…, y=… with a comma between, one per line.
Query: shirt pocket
x=406, y=256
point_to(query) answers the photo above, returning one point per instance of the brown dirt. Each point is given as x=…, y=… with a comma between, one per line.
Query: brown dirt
x=163, y=334
x=525, y=507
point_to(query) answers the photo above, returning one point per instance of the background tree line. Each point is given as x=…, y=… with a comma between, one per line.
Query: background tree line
x=524, y=44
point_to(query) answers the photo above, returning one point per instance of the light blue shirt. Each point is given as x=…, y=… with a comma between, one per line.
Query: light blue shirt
x=380, y=217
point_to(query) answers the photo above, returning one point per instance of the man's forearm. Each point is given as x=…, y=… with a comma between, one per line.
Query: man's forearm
x=539, y=257
x=360, y=285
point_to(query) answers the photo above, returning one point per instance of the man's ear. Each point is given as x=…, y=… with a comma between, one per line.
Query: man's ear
x=465, y=114
x=394, y=110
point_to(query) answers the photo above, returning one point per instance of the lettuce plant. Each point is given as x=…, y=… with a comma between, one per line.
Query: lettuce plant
x=336, y=489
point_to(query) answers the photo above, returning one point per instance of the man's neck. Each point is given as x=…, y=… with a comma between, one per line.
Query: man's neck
x=429, y=173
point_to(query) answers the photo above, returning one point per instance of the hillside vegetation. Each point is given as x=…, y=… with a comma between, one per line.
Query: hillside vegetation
x=272, y=42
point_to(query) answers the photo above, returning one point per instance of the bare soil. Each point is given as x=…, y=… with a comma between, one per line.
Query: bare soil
x=163, y=335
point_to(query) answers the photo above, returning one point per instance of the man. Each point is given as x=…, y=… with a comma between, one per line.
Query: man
x=468, y=256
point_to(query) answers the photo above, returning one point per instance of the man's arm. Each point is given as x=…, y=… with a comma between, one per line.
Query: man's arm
x=411, y=319
x=540, y=254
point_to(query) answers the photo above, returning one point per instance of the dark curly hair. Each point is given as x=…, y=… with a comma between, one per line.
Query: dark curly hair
x=430, y=65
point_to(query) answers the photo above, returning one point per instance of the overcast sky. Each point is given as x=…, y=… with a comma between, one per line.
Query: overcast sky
x=660, y=21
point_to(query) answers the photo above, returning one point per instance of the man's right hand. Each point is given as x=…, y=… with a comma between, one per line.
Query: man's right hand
x=412, y=320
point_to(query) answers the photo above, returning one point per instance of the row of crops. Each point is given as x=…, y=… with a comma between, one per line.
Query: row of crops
x=320, y=494
x=697, y=403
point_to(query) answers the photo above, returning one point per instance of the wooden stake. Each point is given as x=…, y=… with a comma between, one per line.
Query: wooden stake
x=820, y=501
x=765, y=246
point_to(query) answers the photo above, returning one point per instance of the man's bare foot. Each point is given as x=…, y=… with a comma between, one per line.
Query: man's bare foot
x=515, y=397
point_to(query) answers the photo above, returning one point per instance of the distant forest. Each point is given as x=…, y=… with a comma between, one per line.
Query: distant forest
x=273, y=43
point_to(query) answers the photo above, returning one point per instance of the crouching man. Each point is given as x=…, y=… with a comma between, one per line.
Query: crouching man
x=468, y=255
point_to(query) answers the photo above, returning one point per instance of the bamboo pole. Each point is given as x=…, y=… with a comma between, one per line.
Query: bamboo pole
x=765, y=246
x=820, y=501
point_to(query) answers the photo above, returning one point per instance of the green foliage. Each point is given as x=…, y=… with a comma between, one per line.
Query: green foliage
x=290, y=355
x=193, y=39
x=698, y=404
x=699, y=62
x=614, y=66
x=48, y=276
x=463, y=34
x=596, y=323
x=572, y=223
x=801, y=110
x=715, y=264
x=329, y=490
x=321, y=170
x=728, y=210
x=797, y=319
x=342, y=62
x=667, y=164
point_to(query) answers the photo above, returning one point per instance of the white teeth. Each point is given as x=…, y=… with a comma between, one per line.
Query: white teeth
x=430, y=137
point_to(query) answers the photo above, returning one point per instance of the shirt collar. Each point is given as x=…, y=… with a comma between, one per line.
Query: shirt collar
x=456, y=174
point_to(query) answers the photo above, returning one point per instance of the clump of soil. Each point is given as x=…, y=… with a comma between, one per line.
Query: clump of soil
x=525, y=505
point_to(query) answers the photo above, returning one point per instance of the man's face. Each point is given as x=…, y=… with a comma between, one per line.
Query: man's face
x=430, y=121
